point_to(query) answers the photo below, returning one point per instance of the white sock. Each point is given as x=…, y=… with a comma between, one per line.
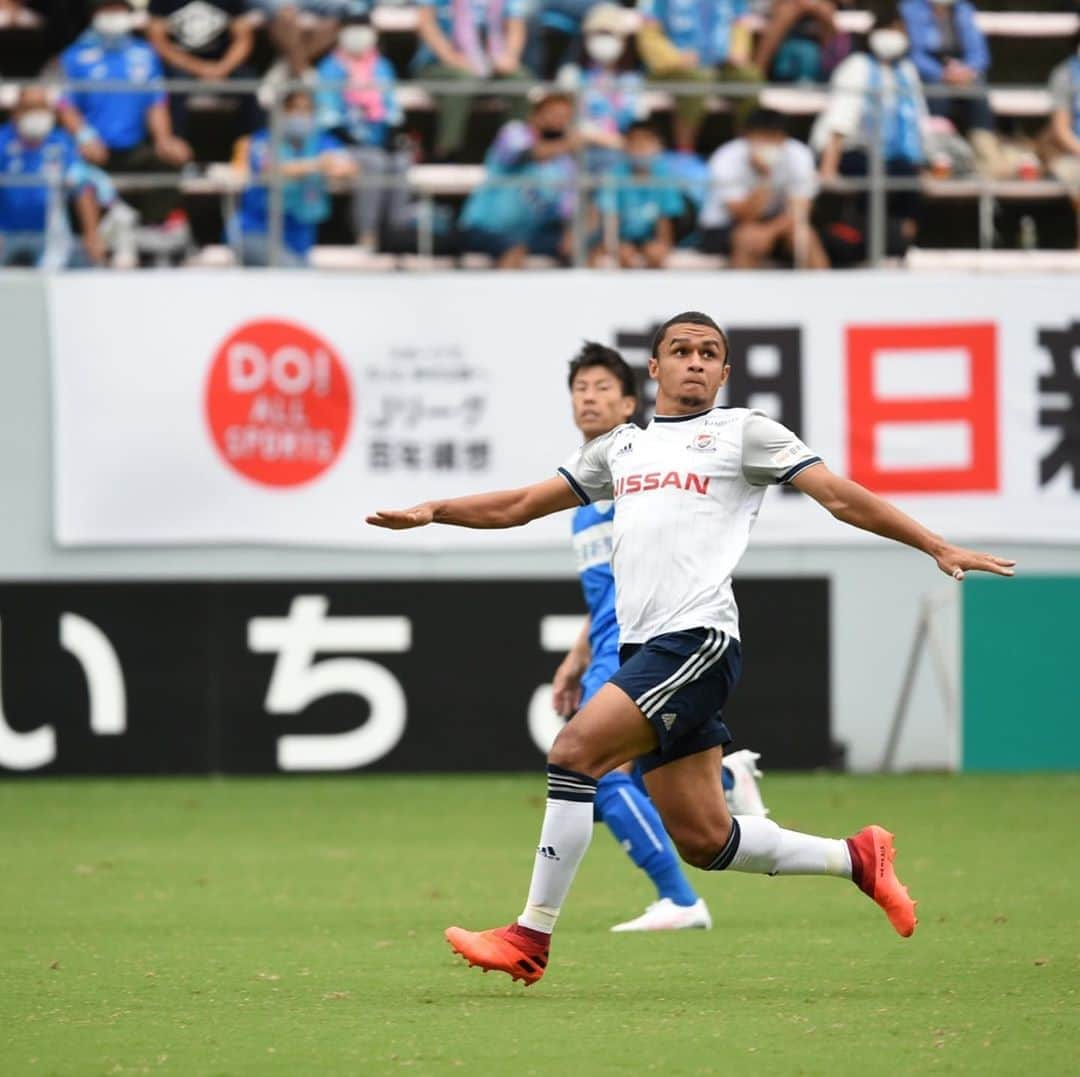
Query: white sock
x=760, y=846
x=564, y=838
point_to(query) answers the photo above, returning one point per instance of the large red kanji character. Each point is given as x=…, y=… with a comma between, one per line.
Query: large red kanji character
x=976, y=408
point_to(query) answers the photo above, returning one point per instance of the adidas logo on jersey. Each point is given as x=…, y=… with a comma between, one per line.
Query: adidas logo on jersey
x=628, y=447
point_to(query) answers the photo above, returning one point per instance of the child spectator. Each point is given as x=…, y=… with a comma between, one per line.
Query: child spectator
x=510, y=220
x=642, y=216
x=469, y=39
x=33, y=217
x=126, y=130
x=761, y=190
x=308, y=158
x=874, y=94
x=696, y=41
x=356, y=101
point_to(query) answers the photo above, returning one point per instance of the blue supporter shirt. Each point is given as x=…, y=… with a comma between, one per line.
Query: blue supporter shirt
x=592, y=530
x=298, y=234
x=444, y=17
x=640, y=209
x=24, y=209
x=702, y=25
x=119, y=117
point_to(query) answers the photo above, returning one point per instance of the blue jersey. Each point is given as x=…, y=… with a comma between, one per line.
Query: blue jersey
x=592, y=529
x=118, y=117
x=24, y=208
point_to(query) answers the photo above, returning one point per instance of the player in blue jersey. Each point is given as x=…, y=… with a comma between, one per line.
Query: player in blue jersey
x=603, y=397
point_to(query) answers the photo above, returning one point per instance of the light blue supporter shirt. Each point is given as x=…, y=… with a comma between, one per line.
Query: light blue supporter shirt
x=702, y=25
x=592, y=534
x=640, y=209
x=444, y=16
x=118, y=116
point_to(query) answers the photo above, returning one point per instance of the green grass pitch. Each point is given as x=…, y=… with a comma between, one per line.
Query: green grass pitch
x=295, y=927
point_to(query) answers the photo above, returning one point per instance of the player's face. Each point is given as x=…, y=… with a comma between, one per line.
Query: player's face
x=598, y=402
x=690, y=369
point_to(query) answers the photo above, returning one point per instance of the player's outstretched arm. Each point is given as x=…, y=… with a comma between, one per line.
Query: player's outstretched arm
x=500, y=508
x=855, y=505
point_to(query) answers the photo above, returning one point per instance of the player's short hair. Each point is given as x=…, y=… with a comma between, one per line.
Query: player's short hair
x=594, y=354
x=688, y=317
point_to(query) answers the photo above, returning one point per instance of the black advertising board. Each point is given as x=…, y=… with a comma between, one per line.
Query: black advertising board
x=310, y=676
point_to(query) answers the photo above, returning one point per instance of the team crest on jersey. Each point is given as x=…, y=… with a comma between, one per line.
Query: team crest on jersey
x=703, y=442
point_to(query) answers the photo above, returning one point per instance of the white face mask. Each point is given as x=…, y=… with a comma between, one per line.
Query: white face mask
x=888, y=45
x=35, y=125
x=113, y=24
x=766, y=153
x=604, y=48
x=356, y=40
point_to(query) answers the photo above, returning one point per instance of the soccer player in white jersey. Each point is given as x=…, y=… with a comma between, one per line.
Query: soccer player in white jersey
x=687, y=490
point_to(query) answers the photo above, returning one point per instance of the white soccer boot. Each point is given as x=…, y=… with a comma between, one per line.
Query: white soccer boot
x=665, y=915
x=744, y=799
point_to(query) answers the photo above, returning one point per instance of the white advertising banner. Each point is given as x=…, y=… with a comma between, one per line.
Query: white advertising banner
x=283, y=407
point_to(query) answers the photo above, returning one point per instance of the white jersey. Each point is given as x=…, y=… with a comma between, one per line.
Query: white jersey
x=687, y=491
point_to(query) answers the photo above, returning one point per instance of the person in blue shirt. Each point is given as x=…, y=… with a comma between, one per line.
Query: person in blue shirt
x=949, y=49
x=644, y=216
x=356, y=101
x=122, y=130
x=704, y=41
x=33, y=216
x=470, y=39
x=603, y=396
x=510, y=220
x=308, y=158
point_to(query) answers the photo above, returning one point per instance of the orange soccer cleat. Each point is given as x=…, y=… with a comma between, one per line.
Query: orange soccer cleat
x=517, y=951
x=872, y=855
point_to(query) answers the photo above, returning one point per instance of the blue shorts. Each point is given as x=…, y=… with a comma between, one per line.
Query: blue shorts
x=681, y=681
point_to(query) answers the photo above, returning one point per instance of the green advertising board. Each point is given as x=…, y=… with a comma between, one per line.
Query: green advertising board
x=1021, y=673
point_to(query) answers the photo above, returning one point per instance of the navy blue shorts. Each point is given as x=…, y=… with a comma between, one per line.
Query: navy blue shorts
x=681, y=681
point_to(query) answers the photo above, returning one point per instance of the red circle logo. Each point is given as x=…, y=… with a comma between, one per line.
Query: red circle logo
x=278, y=403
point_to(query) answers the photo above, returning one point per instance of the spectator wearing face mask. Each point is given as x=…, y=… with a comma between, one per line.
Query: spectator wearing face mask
x=873, y=94
x=949, y=49
x=357, y=103
x=33, y=217
x=703, y=41
x=123, y=130
x=641, y=214
x=761, y=189
x=527, y=200
x=470, y=39
x=612, y=96
x=209, y=40
x=308, y=158
x=1061, y=142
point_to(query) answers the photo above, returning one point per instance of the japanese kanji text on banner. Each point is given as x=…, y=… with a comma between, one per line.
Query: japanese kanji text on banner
x=281, y=408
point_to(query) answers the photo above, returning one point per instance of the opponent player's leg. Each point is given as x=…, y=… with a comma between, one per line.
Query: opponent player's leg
x=635, y=824
x=689, y=795
x=607, y=731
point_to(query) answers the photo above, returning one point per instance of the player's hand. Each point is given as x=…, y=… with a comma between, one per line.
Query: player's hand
x=566, y=687
x=955, y=561
x=403, y=519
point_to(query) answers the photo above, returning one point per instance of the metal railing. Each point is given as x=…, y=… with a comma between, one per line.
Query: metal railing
x=876, y=186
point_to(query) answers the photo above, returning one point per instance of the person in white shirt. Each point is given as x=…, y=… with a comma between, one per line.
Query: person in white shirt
x=687, y=491
x=877, y=94
x=761, y=188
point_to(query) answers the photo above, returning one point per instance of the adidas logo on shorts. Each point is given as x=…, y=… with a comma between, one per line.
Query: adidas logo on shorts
x=668, y=720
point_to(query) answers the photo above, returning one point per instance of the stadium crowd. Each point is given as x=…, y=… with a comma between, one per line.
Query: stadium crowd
x=609, y=135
